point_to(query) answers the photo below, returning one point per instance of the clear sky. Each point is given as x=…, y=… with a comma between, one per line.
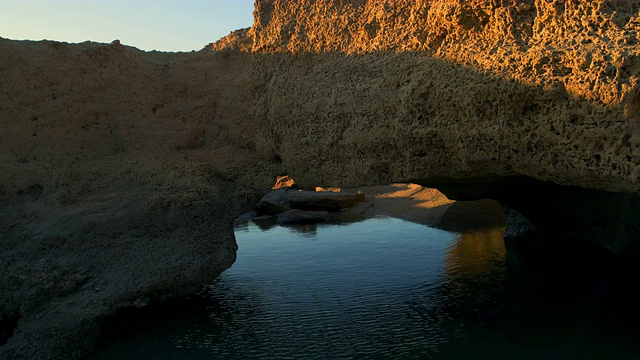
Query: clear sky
x=166, y=25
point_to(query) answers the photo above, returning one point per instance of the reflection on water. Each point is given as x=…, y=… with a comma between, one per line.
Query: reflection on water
x=476, y=253
x=386, y=288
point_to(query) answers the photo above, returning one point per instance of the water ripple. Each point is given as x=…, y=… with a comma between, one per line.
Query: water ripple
x=388, y=289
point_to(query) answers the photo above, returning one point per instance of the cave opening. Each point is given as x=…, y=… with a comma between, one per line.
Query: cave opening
x=8, y=326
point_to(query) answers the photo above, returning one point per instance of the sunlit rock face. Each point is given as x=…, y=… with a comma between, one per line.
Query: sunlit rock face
x=462, y=95
x=473, y=89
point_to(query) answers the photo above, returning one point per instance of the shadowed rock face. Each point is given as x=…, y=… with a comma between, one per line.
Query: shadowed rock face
x=121, y=171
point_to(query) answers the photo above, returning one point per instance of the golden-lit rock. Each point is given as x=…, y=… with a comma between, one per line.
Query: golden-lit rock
x=375, y=92
x=283, y=182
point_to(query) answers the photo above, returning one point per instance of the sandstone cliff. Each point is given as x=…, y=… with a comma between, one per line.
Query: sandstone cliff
x=121, y=170
x=546, y=89
x=477, y=98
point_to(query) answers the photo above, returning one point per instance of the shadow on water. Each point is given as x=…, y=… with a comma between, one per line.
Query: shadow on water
x=558, y=301
x=386, y=288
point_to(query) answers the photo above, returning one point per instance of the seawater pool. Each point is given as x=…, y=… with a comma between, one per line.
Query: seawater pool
x=385, y=288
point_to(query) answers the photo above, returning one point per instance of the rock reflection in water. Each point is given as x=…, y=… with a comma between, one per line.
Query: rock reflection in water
x=474, y=253
x=547, y=306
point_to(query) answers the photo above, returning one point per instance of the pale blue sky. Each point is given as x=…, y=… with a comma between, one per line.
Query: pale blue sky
x=166, y=25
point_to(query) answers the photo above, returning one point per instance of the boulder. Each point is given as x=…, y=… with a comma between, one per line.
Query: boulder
x=272, y=203
x=322, y=200
x=270, y=208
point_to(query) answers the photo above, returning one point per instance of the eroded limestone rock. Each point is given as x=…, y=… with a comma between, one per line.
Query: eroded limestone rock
x=115, y=183
x=464, y=94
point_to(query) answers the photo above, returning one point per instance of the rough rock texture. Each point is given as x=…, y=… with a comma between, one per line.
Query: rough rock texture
x=120, y=175
x=397, y=89
x=121, y=171
x=284, y=182
x=412, y=202
x=466, y=96
x=322, y=200
x=272, y=203
x=280, y=200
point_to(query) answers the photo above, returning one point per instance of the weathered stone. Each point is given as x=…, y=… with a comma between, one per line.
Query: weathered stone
x=100, y=188
x=246, y=216
x=486, y=94
x=275, y=196
x=299, y=217
x=565, y=213
x=272, y=203
x=321, y=200
x=270, y=208
x=284, y=182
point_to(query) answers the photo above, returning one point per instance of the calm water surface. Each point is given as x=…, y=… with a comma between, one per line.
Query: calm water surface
x=390, y=289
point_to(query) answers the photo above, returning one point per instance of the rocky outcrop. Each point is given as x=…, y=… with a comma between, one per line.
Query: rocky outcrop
x=120, y=175
x=476, y=98
x=453, y=89
x=322, y=200
x=272, y=203
x=282, y=199
x=121, y=171
x=293, y=206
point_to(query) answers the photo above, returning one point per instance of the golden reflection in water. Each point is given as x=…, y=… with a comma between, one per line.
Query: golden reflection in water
x=475, y=252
